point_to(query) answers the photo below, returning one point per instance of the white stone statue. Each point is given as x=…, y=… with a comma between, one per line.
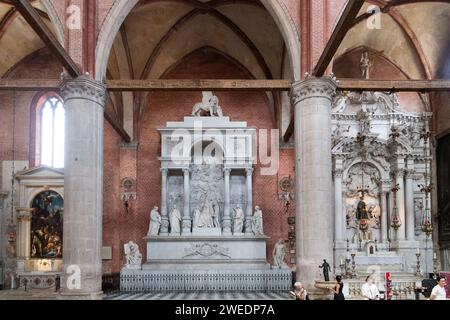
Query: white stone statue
x=175, y=220
x=205, y=219
x=155, y=222
x=216, y=214
x=132, y=255
x=209, y=106
x=279, y=254
x=238, y=222
x=257, y=223
x=196, y=218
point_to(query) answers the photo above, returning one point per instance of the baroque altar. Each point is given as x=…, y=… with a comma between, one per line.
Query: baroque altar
x=380, y=161
x=207, y=234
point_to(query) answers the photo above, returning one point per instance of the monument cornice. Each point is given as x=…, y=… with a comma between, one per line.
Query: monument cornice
x=85, y=89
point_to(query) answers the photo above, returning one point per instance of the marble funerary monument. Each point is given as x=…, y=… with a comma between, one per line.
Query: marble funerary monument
x=208, y=234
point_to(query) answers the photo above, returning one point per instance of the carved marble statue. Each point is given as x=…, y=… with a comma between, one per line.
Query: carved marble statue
x=257, y=225
x=175, y=220
x=205, y=218
x=132, y=255
x=365, y=65
x=155, y=222
x=279, y=254
x=238, y=221
x=208, y=107
x=215, y=214
x=196, y=218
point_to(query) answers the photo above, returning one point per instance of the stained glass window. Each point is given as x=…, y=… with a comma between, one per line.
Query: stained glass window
x=52, y=133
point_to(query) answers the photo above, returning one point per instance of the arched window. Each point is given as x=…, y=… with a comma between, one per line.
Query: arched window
x=50, y=130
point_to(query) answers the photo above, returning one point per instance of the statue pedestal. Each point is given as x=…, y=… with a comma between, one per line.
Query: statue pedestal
x=206, y=263
x=323, y=290
x=206, y=232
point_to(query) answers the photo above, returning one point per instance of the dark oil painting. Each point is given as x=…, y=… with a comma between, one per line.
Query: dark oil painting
x=47, y=226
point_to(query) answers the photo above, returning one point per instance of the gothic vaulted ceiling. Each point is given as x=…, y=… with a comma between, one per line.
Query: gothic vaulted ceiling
x=158, y=34
x=17, y=39
x=414, y=35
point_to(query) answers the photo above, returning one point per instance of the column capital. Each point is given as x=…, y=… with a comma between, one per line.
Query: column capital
x=227, y=171
x=186, y=171
x=249, y=171
x=164, y=171
x=84, y=88
x=313, y=87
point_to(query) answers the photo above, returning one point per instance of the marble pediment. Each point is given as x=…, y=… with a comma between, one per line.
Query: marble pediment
x=41, y=172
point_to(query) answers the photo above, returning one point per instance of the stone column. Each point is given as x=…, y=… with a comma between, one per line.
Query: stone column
x=400, y=174
x=312, y=99
x=84, y=101
x=384, y=223
x=187, y=221
x=164, y=214
x=249, y=211
x=24, y=234
x=409, y=203
x=226, y=222
x=338, y=216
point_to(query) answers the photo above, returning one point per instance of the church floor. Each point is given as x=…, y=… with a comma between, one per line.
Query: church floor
x=199, y=296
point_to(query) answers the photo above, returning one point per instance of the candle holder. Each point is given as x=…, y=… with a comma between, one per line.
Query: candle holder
x=353, y=275
x=418, y=272
x=348, y=245
x=376, y=245
x=347, y=268
x=360, y=244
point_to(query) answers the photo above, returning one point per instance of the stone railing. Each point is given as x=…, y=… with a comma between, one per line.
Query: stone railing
x=197, y=281
x=401, y=290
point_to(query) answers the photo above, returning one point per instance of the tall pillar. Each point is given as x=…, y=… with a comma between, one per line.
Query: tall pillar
x=24, y=235
x=164, y=214
x=226, y=222
x=338, y=216
x=187, y=222
x=249, y=211
x=384, y=208
x=312, y=99
x=401, y=232
x=84, y=101
x=409, y=203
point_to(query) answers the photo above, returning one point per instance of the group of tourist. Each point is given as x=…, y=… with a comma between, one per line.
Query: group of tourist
x=369, y=290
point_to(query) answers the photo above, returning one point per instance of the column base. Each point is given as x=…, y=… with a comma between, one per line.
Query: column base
x=81, y=296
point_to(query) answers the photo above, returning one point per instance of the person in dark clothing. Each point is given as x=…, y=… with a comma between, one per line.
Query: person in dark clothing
x=338, y=294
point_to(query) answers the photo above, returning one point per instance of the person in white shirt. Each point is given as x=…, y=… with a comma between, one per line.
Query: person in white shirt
x=369, y=290
x=299, y=292
x=438, y=292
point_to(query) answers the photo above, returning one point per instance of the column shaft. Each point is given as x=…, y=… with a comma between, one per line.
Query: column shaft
x=338, y=216
x=384, y=223
x=312, y=99
x=409, y=206
x=226, y=223
x=164, y=214
x=401, y=232
x=84, y=102
x=187, y=222
x=249, y=210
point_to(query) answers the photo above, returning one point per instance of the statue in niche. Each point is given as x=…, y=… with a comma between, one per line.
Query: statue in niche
x=374, y=212
x=175, y=220
x=362, y=212
x=350, y=217
x=196, y=218
x=208, y=107
x=132, y=255
x=155, y=222
x=204, y=218
x=279, y=254
x=257, y=225
x=418, y=212
x=238, y=221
